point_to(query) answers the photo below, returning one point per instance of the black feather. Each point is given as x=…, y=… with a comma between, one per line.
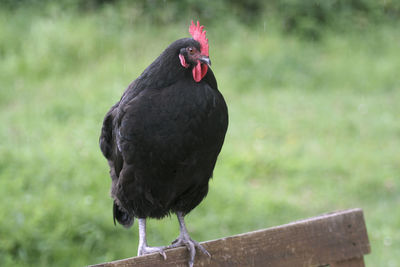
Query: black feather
x=122, y=216
x=162, y=139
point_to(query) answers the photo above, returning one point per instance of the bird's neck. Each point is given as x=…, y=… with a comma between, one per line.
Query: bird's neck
x=163, y=72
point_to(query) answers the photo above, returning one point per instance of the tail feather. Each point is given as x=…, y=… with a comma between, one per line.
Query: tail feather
x=122, y=216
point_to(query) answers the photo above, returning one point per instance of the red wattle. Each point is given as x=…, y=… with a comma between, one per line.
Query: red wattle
x=199, y=71
x=183, y=61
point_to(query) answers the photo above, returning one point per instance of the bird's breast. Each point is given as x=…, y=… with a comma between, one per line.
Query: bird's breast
x=174, y=121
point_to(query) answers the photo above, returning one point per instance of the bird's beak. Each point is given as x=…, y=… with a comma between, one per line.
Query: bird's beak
x=205, y=60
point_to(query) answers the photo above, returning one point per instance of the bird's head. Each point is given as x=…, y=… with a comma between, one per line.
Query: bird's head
x=194, y=54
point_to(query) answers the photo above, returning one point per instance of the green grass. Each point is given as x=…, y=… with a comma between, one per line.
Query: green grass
x=314, y=128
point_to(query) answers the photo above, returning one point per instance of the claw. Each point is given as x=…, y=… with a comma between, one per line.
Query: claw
x=203, y=250
x=149, y=250
x=185, y=240
x=191, y=246
x=143, y=248
x=162, y=253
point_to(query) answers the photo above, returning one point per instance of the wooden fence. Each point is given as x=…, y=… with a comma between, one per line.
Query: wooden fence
x=337, y=239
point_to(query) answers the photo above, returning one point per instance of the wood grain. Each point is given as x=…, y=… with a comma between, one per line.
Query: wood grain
x=355, y=262
x=334, y=238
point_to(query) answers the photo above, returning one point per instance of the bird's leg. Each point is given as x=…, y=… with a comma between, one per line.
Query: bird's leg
x=143, y=248
x=185, y=240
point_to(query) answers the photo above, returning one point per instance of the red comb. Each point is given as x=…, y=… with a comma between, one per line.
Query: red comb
x=200, y=36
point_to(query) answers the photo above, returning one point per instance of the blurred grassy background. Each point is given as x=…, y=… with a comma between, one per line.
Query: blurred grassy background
x=313, y=94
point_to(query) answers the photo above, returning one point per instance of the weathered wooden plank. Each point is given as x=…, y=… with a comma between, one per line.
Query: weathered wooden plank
x=318, y=241
x=355, y=262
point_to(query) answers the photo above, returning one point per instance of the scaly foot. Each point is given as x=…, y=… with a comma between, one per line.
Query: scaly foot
x=191, y=245
x=144, y=250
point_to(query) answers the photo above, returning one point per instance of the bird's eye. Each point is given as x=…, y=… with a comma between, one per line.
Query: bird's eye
x=191, y=50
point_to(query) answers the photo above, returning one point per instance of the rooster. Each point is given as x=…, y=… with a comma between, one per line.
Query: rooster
x=163, y=137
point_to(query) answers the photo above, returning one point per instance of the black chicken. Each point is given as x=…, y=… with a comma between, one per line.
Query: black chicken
x=163, y=137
